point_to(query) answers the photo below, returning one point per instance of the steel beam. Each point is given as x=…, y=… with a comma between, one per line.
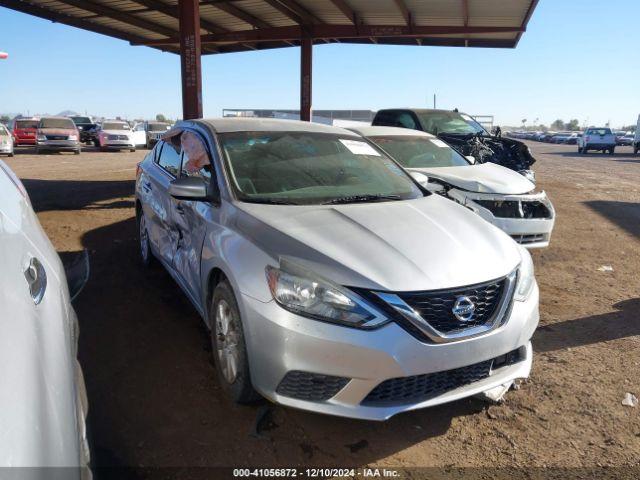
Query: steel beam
x=190, y=56
x=306, y=71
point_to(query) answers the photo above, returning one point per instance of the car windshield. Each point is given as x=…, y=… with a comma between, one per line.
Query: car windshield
x=115, y=126
x=26, y=124
x=3, y=131
x=78, y=120
x=158, y=127
x=420, y=152
x=311, y=168
x=57, y=123
x=450, y=122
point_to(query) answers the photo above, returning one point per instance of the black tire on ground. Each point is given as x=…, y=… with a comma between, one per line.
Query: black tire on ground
x=635, y=150
x=224, y=310
x=76, y=152
x=132, y=150
x=146, y=256
x=612, y=150
x=11, y=154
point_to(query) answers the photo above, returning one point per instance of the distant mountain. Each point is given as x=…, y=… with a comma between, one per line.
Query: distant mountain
x=68, y=113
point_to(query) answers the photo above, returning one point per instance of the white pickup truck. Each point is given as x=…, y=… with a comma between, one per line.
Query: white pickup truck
x=601, y=138
x=636, y=138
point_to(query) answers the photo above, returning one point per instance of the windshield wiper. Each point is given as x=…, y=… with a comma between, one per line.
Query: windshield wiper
x=362, y=199
x=269, y=201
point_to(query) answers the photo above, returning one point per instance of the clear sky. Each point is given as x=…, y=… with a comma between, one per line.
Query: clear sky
x=578, y=59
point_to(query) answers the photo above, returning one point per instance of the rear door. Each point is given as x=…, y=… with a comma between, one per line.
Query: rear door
x=159, y=206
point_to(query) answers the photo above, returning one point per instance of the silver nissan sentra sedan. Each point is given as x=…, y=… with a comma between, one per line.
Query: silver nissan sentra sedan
x=330, y=279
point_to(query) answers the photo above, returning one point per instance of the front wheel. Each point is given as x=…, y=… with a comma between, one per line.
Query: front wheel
x=229, y=347
x=635, y=150
x=132, y=150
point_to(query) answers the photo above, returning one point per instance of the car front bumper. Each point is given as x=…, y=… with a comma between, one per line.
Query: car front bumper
x=6, y=148
x=118, y=144
x=528, y=232
x=280, y=342
x=59, y=145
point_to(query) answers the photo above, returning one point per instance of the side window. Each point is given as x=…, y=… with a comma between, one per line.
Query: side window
x=169, y=159
x=384, y=119
x=405, y=120
x=195, y=158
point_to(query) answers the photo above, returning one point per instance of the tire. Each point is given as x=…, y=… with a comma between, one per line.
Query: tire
x=146, y=256
x=228, y=346
x=76, y=152
x=635, y=150
x=11, y=154
x=132, y=150
x=612, y=151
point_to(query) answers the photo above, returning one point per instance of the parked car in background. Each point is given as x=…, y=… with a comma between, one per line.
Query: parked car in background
x=87, y=128
x=330, y=279
x=57, y=134
x=6, y=141
x=497, y=194
x=115, y=135
x=636, y=138
x=626, y=140
x=619, y=134
x=573, y=138
x=43, y=402
x=147, y=134
x=464, y=134
x=597, y=139
x=24, y=131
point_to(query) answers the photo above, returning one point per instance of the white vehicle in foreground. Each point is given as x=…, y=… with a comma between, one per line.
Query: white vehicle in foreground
x=43, y=402
x=115, y=135
x=636, y=138
x=499, y=195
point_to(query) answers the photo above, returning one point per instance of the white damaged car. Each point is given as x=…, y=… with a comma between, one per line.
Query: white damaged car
x=115, y=135
x=499, y=195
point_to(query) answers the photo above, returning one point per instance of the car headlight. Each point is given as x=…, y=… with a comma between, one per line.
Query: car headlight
x=305, y=294
x=526, y=277
x=73, y=137
x=42, y=138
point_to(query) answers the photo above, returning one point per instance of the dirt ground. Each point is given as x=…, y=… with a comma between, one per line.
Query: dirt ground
x=155, y=401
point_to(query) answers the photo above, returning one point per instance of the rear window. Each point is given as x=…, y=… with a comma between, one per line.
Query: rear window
x=77, y=120
x=57, y=123
x=599, y=131
x=26, y=124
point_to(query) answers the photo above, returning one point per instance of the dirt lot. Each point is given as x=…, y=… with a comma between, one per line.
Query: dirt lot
x=155, y=402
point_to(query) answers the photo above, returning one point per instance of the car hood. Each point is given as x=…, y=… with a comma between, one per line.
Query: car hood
x=423, y=244
x=57, y=131
x=484, y=178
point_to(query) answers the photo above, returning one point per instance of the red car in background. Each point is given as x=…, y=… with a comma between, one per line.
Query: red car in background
x=24, y=131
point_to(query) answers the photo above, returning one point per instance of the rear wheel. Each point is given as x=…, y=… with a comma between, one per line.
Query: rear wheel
x=229, y=347
x=132, y=150
x=635, y=149
x=146, y=257
x=612, y=150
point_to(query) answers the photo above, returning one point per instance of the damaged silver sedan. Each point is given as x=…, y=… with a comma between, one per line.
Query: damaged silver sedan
x=499, y=195
x=330, y=280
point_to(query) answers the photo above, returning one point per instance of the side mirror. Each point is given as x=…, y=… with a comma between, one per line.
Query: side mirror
x=189, y=188
x=471, y=158
x=420, y=177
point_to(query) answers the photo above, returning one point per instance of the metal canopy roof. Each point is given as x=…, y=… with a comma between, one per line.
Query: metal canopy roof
x=238, y=25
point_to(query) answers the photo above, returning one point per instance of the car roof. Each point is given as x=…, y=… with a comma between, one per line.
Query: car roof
x=372, y=131
x=252, y=124
x=54, y=117
x=421, y=110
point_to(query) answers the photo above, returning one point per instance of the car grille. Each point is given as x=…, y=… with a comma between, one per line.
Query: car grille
x=435, y=307
x=529, y=238
x=515, y=208
x=310, y=386
x=118, y=137
x=418, y=388
x=57, y=137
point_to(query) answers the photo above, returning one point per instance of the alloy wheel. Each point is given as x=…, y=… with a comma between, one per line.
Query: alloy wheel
x=226, y=340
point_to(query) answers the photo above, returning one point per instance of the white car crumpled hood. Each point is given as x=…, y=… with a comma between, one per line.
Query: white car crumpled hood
x=481, y=178
x=423, y=244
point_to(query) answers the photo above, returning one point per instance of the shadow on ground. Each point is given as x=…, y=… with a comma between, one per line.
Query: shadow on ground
x=624, y=322
x=47, y=195
x=625, y=215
